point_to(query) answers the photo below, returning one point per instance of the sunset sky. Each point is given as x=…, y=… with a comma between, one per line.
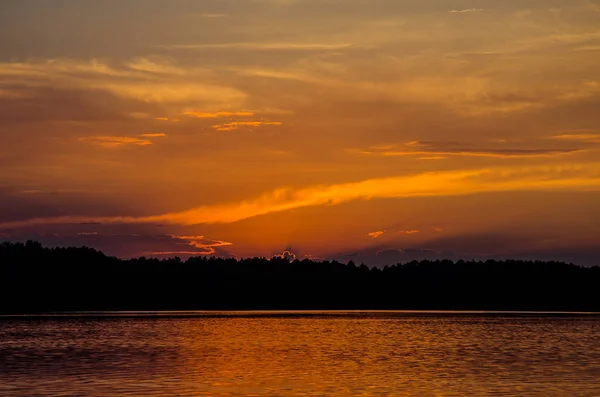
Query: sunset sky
x=373, y=130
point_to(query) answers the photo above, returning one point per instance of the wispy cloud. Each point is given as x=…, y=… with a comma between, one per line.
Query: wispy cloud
x=149, y=66
x=200, y=245
x=409, y=232
x=109, y=141
x=216, y=115
x=115, y=141
x=439, y=151
x=376, y=235
x=579, y=137
x=140, y=80
x=575, y=177
x=262, y=46
x=237, y=124
x=287, y=255
x=432, y=158
x=154, y=135
x=213, y=15
x=466, y=10
x=473, y=94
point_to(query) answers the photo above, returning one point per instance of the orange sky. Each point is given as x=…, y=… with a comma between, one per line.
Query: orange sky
x=376, y=130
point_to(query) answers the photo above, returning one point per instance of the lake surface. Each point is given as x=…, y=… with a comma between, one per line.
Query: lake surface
x=294, y=354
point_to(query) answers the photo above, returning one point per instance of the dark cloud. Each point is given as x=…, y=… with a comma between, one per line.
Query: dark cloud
x=287, y=254
x=480, y=244
x=382, y=256
x=583, y=255
x=419, y=148
x=126, y=242
x=18, y=203
x=42, y=104
x=479, y=247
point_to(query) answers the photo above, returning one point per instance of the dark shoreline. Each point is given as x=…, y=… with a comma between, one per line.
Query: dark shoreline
x=361, y=314
x=34, y=279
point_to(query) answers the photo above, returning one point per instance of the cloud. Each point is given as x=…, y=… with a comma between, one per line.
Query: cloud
x=237, y=124
x=149, y=66
x=34, y=102
x=472, y=93
x=579, y=137
x=409, y=232
x=115, y=141
x=433, y=158
x=213, y=15
x=216, y=115
x=182, y=93
x=376, y=235
x=108, y=141
x=154, y=135
x=574, y=177
x=287, y=255
x=481, y=246
x=141, y=80
x=439, y=150
x=200, y=244
x=380, y=256
x=466, y=10
x=262, y=46
x=129, y=241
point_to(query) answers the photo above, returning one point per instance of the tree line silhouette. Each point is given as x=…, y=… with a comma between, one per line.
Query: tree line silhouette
x=35, y=279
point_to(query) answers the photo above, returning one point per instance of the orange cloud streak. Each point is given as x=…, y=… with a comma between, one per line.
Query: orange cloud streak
x=439, y=151
x=440, y=155
x=216, y=115
x=583, y=177
x=588, y=138
x=157, y=135
x=376, y=235
x=206, y=246
x=115, y=141
x=237, y=124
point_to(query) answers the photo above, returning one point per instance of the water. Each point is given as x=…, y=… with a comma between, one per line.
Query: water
x=291, y=354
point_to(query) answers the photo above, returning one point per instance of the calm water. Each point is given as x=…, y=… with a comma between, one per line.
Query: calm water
x=356, y=354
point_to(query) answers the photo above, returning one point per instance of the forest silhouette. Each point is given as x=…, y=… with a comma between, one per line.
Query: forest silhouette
x=35, y=279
